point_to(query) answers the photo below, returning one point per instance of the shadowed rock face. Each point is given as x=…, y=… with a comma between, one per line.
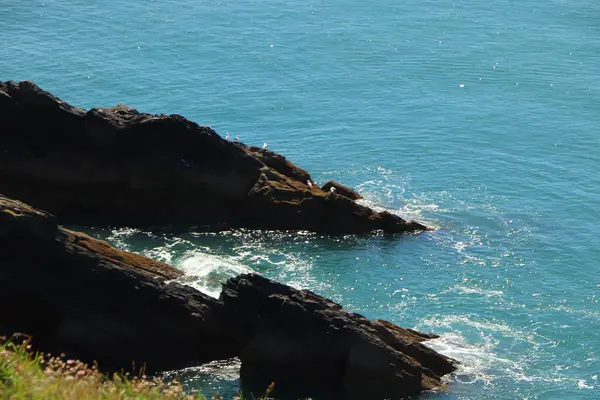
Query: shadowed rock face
x=120, y=166
x=78, y=295
x=308, y=344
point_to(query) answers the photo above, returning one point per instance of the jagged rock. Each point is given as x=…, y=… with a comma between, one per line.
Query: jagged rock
x=309, y=345
x=341, y=190
x=78, y=295
x=120, y=166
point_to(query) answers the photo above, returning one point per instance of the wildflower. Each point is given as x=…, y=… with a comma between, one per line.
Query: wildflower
x=270, y=389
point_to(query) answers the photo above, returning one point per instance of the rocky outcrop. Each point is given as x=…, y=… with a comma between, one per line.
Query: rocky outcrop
x=310, y=345
x=78, y=295
x=120, y=166
x=341, y=190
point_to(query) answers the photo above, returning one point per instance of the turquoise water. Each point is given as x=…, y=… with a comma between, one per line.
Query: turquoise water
x=478, y=118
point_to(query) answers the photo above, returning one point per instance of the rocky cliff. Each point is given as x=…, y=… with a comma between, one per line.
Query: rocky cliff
x=121, y=166
x=78, y=295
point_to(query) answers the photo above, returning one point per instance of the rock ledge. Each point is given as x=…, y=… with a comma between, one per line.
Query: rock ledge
x=80, y=296
x=120, y=166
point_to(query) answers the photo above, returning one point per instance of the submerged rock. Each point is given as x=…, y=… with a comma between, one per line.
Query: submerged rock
x=78, y=295
x=120, y=166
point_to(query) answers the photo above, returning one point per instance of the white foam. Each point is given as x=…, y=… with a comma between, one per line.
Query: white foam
x=474, y=290
x=222, y=376
x=206, y=272
x=475, y=343
x=581, y=384
x=410, y=211
x=221, y=369
x=476, y=359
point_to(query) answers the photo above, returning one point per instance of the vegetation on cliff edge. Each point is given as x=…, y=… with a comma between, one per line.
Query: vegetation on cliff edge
x=28, y=375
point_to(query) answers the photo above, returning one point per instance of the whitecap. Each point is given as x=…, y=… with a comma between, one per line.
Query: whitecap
x=476, y=359
x=475, y=290
x=206, y=272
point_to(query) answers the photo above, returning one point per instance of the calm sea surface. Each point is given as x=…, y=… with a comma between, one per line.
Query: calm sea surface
x=480, y=118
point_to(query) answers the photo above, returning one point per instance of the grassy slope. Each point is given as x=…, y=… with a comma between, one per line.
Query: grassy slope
x=24, y=375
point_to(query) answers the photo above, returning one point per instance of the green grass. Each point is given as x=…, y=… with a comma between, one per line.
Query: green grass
x=32, y=376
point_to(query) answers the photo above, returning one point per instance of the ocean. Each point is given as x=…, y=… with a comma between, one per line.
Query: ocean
x=478, y=118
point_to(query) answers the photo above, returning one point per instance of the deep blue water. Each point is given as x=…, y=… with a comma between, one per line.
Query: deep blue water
x=480, y=118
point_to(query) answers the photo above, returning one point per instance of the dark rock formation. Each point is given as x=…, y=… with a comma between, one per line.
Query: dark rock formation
x=120, y=166
x=341, y=190
x=78, y=295
x=308, y=344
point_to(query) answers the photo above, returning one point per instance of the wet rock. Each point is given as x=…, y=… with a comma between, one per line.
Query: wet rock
x=120, y=166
